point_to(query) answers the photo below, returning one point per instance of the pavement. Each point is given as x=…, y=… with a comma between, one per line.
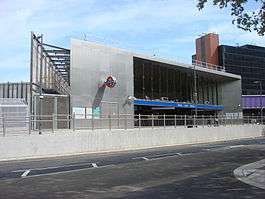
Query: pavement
x=231, y=169
x=253, y=174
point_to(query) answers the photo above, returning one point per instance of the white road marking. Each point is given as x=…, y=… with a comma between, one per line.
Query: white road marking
x=223, y=148
x=25, y=173
x=144, y=158
x=16, y=171
x=236, y=146
x=166, y=155
x=94, y=165
x=55, y=167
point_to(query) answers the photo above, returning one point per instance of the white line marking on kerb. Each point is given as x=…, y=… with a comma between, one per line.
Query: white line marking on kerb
x=25, y=173
x=94, y=165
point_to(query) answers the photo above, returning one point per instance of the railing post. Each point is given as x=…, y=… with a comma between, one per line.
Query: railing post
x=40, y=125
x=139, y=121
x=92, y=122
x=194, y=120
x=29, y=124
x=125, y=122
x=175, y=121
x=73, y=121
x=4, y=126
x=164, y=120
x=53, y=122
x=109, y=122
x=152, y=121
x=118, y=120
x=203, y=124
x=185, y=120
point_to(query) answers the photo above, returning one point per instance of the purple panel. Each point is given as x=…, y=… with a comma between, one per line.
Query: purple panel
x=252, y=101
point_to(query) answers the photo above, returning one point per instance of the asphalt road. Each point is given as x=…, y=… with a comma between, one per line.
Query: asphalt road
x=194, y=171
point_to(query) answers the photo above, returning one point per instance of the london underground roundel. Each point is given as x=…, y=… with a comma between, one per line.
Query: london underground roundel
x=111, y=81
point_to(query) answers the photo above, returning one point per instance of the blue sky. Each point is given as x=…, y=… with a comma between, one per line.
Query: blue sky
x=166, y=28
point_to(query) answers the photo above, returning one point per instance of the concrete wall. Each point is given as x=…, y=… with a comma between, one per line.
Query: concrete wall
x=58, y=144
x=231, y=96
x=91, y=64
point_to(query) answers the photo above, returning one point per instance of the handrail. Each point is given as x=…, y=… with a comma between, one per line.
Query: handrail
x=208, y=65
x=37, y=123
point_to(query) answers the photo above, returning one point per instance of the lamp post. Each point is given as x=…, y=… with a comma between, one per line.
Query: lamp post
x=260, y=92
x=195, y=94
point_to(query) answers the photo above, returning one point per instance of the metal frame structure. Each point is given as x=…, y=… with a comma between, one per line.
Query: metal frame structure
x=50, y=67
x=49, y=75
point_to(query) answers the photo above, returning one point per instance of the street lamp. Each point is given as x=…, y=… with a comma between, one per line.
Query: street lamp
x=260, y=92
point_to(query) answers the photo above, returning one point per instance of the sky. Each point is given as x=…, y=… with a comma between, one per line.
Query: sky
x=164, y=28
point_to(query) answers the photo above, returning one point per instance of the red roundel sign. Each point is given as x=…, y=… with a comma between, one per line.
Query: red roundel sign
x=111, y=81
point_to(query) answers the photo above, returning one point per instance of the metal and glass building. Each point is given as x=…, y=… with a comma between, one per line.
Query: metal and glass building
x=247, y=61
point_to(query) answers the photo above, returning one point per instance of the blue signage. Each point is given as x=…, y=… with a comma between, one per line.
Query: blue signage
x=177, y=105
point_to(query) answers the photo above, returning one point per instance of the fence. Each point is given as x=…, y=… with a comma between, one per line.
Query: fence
x=17, y=124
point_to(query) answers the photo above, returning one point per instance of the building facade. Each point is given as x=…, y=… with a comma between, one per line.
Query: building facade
x=157, y=86
x=247, y=61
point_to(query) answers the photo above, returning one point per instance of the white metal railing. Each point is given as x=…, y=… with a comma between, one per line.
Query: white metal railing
x=17, y=125
x=208, y=65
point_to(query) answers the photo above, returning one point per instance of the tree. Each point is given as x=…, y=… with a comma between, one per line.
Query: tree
x=244, y=19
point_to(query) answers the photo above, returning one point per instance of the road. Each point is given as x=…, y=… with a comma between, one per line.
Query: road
x=192, y=171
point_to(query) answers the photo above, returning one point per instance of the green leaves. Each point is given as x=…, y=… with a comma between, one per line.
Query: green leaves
x=244, y=19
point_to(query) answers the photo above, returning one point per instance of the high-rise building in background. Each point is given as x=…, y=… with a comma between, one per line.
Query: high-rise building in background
x=247, y=61
x=207, y=49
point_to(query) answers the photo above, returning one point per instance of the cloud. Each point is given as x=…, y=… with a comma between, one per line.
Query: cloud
x=231, y=35
x=166, y=28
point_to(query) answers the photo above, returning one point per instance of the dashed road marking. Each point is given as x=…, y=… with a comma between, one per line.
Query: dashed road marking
x=55, y=167
x=25, y=173
x=94, y=165
x=236, y=146
x=144, y=158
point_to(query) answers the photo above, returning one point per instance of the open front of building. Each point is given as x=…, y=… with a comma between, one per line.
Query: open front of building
x=162, y=88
